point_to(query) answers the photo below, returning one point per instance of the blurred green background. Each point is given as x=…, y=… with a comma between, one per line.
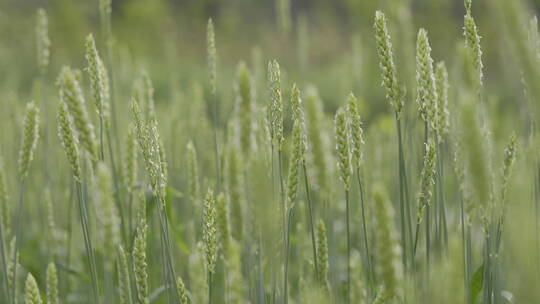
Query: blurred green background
x=168, y=37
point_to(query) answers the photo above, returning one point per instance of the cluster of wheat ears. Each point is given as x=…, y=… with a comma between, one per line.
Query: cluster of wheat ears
x=271, y=204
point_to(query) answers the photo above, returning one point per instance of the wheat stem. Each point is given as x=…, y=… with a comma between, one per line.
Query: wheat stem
x=364, y=229
x=311, y=224
x=348, y=247
x=18, y=235
x=284, y=215
x=87, y=240
x=4, y=264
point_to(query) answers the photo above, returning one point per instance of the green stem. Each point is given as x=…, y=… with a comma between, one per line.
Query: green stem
x=536, y=195
x=284, y=211
x=402, y=195
x=69, y=232
x=261, y=295
x=311, y=224
x=4, y=263
x=18, y=235
x=416, y=236
x=101, y=149
x=348, y=247
x=287, y=248
x=465, y=260
x=428, y=245
x=164, y=229
x=487, y=271
x=209, y=287
x=442, y=207
x=165, y=266
x=130, y=218
x=118, y=201
x=364, y=228
x=87, y=241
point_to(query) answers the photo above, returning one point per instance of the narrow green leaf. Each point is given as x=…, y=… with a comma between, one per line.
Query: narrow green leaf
x=477, y=282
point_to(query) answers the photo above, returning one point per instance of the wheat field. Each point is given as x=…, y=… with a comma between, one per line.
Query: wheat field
x=287, y=151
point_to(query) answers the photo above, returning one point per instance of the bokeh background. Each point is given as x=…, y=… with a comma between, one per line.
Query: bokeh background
x=168, y=38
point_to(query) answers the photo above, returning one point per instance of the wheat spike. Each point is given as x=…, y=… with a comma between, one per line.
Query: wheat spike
x=29, y=139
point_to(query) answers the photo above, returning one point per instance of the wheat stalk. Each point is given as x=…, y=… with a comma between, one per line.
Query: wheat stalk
x=67, y=138
x=395, y=98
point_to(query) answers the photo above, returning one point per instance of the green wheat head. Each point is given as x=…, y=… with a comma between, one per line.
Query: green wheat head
x=29, y=139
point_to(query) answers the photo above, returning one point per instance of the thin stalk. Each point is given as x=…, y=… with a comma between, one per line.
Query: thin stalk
x=274, y=284
x=428, y=209
x=113, y=88
x=164, y=264
x=402, y=195
x=130, y=218
x=443, y=230
x=487, y=271
x=209, y=287
x=69, y=231
x=364, y=228
x=443, y=210
x=536, y=194
x=406, y=194
x=165, y=234
x=416, y=236
x=109, y=287
x=284, y=211
x=87, y=241
x=119, y=204
x=348, y=247
x=261, y=296
x=310, y=208
x=18, y=235
x=287, y=248
x=428, y=245
x=465, y=260
x=469, y=255
x=4, y=264
x=101, y=143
